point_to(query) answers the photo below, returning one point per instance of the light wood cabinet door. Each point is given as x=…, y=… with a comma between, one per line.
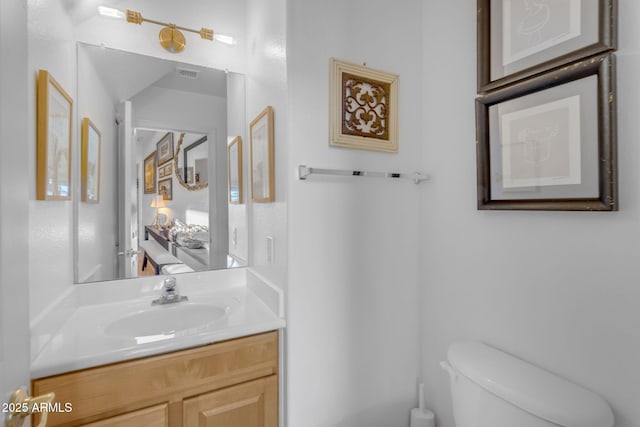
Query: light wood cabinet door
x=155, y=416
x=252, y=404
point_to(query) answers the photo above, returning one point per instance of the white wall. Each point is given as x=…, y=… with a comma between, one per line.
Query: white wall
x=556, y=288
x=14, y=196
x=97, y=229
x=51, y=47
x=266, y=84
x=353, y=315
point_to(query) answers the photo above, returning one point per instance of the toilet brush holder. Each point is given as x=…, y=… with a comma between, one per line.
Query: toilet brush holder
x=422, y=418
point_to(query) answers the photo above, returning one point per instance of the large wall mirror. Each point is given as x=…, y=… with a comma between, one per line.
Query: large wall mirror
x=163, y=204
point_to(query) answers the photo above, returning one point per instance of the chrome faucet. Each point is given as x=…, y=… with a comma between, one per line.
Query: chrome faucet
x=169, y=293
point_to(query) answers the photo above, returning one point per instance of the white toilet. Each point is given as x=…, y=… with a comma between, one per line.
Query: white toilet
x=493, y=389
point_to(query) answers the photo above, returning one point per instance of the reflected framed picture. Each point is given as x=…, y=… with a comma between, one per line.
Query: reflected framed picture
x=234, y=170
x=518, y=39
x=363, y=106
x=261, y=157
x=165, y=188
x=164, y=148
x=54, y=134
x=90, y=162
x=150, y=174
x=549, y=143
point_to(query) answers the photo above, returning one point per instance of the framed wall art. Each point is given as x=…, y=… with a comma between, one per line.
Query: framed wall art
x=549, y=143
x=54, y=134
x=518, y=39
x=90, y=162
x=165, y=188
x=261, y=157
x=234, y=170
x=363, y=107
x=150, y=174
x=164, y=148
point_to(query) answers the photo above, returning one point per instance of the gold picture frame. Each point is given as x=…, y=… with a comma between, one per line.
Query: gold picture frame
x=261, y=157
x=363, y=108
x=53, y=139
x=150, y=174
x=165, y=188
x=90, y=162
x=234, y=171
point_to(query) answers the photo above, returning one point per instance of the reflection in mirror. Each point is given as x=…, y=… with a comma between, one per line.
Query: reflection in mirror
x=163, y=205
x=234, y=166
x=192, y=161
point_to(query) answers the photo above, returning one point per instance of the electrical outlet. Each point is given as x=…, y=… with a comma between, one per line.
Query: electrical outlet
x=270, y=254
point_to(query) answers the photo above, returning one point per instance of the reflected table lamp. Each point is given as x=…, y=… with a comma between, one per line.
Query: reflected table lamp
x=157, y=203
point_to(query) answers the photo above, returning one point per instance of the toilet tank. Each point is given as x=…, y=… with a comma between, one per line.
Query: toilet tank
x=491, y=388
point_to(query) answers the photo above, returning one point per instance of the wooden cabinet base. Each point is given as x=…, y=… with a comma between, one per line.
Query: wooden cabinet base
x=252, y=404
x=163, y=390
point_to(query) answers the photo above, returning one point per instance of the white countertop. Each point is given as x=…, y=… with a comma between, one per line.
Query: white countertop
x=81, y=341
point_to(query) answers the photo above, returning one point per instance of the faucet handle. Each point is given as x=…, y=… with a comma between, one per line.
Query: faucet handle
x=170, y=284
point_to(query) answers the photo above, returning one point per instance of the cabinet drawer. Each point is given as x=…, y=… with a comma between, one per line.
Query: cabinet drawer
x=252, y=404
x=156, y=416
x=111, y=390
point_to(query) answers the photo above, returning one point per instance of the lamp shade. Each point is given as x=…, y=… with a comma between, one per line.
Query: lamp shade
x=158, y=202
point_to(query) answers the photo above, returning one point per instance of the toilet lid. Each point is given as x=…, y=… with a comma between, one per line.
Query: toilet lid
x=528, y=387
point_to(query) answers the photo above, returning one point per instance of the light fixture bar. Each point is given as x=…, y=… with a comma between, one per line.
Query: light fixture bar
x=204, y=33
x=170, y=36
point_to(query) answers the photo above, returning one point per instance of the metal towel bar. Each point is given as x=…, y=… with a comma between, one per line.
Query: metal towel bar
x=305, y=171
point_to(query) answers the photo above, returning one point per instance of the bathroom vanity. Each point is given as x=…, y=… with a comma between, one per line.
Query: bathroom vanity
x=113, y=358
x=231, y=383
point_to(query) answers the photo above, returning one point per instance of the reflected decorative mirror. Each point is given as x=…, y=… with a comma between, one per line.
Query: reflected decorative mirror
x=163, y=205
x=191, y=162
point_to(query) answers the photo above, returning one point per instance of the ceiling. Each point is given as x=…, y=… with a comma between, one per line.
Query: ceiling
x=126, y=74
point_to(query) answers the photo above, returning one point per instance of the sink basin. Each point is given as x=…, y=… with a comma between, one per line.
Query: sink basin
x=165, y=321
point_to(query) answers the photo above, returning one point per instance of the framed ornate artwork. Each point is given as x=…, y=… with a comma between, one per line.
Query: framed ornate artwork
x=261, y=157
x=54, y=134
x=363, y=107
x=164, y=148
x=518, y=39
x=150, y=174
x=234, y=170
x=548, y=143
x=90, y=162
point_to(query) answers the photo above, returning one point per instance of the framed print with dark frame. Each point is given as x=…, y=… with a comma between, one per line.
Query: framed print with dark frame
x=261, y=157
x=518, y=39
x=150, y=171
x=548, y=143
x=53, y=139
x=90, y=162
x=164, y=148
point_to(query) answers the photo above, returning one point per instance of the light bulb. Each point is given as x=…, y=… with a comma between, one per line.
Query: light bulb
x=224, y=38
x=111, y=12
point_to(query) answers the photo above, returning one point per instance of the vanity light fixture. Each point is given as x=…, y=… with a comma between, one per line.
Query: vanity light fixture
x=170, y=36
